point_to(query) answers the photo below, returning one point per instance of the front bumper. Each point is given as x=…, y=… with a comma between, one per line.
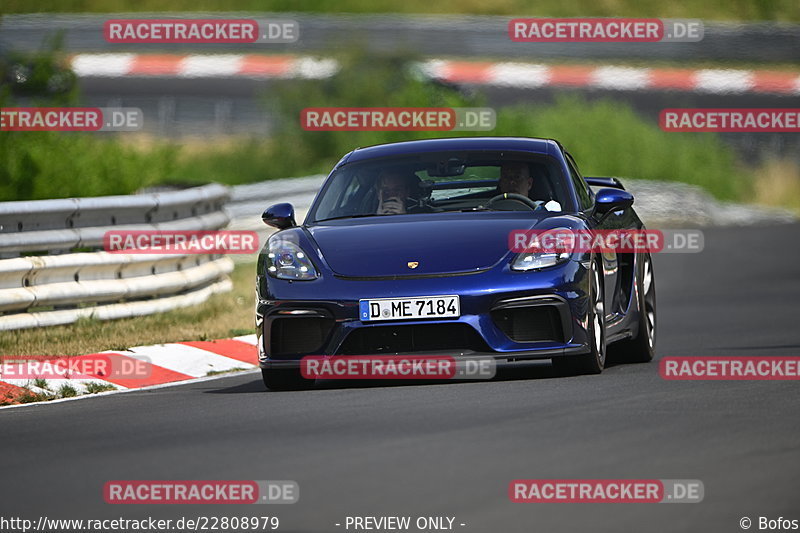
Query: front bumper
x=511, y=316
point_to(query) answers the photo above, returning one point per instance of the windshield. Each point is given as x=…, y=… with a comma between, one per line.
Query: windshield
x=443, y=182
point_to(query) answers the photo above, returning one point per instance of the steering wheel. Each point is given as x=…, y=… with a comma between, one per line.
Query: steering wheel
x=513, y=196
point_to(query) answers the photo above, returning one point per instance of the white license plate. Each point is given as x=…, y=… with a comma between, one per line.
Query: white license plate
x=409, y=308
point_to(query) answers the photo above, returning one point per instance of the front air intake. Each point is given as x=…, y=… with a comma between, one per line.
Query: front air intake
x=299, y=335
x=417, y=338
x=541, y=323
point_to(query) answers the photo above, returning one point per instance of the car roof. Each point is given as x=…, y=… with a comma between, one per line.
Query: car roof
x=519, y=144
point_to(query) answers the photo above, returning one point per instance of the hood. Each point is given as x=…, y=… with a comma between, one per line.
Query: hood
x=440, y=243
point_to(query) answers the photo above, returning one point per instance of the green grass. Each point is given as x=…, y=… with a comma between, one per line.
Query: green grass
x=785, y=10
x=220, y=372
x=606, y=137
x=67, y=391
x=93, y=387
x=28, y=396
x=41, y=383
x=610, y=139
x=39, y=165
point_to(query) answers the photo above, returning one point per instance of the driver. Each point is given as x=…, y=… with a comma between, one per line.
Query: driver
x=515, y=177
x=394, y=188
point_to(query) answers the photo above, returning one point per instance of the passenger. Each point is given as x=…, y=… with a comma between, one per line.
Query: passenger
x=395, y=187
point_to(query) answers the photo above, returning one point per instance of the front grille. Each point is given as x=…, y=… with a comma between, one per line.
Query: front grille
x=412, y=338
x=530, y=324
x=298, y=335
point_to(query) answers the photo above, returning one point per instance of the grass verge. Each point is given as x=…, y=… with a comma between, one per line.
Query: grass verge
x=94, y=388
x=221, y=316
x=28, y=395
x=777, y=184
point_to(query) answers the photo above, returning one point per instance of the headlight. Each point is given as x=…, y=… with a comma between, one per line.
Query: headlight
x=545, y=249
x=286, y=260
x=537, y=260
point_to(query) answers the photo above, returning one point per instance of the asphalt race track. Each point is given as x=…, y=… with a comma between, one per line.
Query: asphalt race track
x=452, y=449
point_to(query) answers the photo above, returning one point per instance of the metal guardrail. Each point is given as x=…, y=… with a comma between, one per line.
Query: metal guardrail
x=53, y=272
x=58, y=225
x=249, y=201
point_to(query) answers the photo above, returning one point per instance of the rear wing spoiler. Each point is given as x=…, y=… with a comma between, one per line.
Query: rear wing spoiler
x=605, y=182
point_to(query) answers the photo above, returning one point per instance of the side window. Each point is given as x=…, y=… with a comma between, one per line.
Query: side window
x=350, y=193
x=581, y=188
x=341, y=189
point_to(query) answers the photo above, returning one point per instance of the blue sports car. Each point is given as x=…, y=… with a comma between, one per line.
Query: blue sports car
x=405, y=250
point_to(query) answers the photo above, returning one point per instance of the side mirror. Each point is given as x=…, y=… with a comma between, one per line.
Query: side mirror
x=279, y=216
x=608, y=200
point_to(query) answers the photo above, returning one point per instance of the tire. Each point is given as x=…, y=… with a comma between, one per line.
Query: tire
x=285, y=379
x=594, y=361
x=642, y=347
